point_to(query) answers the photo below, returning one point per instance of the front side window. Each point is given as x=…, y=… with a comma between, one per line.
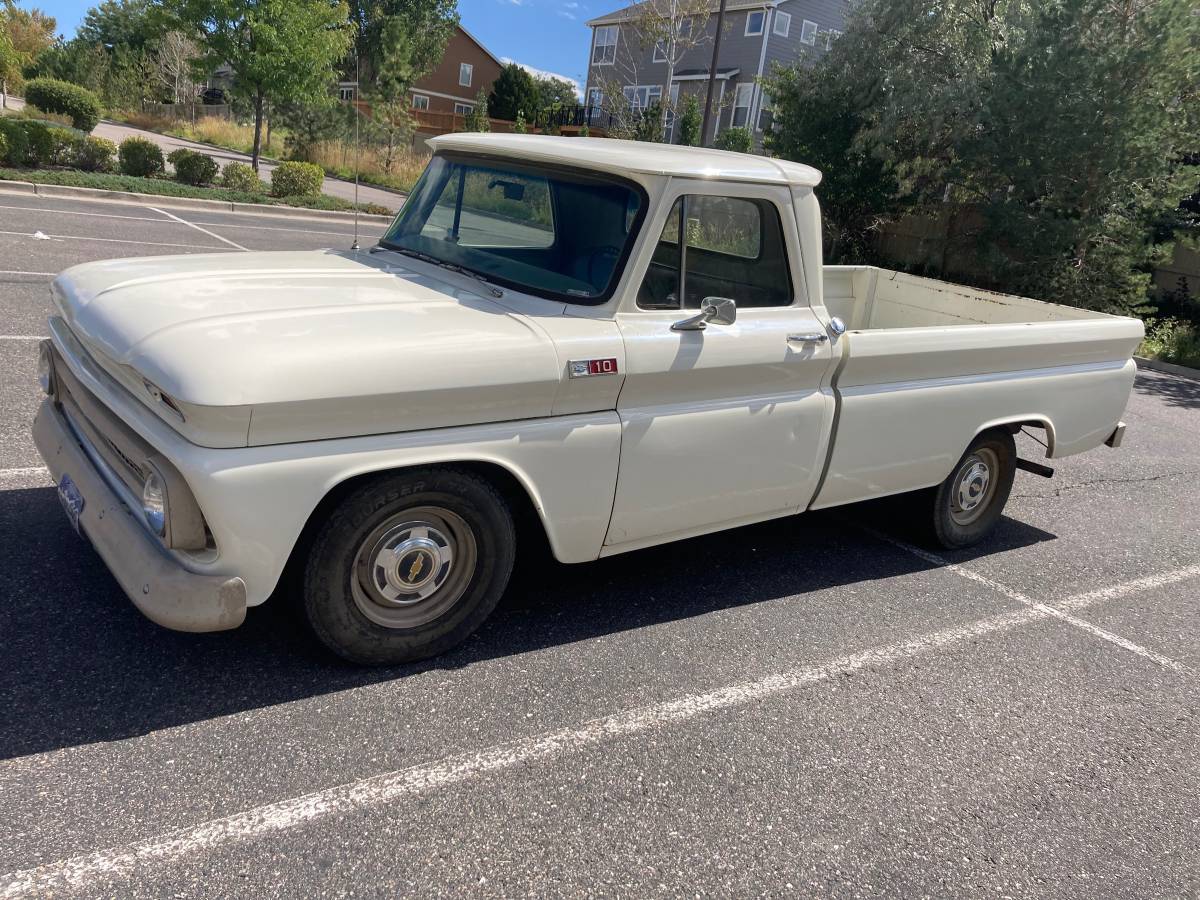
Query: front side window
x=465, y=72
x=604, y=51
x=754, y=22
x=554, y=233
x=732, y=247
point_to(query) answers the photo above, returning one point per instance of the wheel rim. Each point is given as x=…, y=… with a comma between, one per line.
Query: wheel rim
x=413, y=567
x=974, y=486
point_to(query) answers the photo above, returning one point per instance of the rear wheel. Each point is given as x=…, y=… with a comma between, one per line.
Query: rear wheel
x=964, y=508
x=408, y=566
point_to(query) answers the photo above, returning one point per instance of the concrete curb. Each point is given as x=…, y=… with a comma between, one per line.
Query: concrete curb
x=1156, y=365
x=130, y=197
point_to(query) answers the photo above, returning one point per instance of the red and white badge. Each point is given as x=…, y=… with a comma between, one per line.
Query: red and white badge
x=584, y=368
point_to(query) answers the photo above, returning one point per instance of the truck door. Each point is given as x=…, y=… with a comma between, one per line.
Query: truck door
x=728, y=424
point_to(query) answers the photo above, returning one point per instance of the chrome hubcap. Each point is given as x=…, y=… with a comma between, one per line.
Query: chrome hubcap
x=413, y=567
x=973, y=486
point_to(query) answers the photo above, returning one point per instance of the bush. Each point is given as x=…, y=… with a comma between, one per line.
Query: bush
x=141, y=157
x=177, y=154
x=737, y=139
x=239, y=176
x=294, y=179
x=37, y=145
x=3, y=148
x=1172, y=341
x=64, y=147
x=69, y=99
x=195, y=168
x=15, y=142
x=96, y=154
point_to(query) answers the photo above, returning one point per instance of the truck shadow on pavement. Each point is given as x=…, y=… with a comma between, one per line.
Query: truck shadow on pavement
x=79, y=664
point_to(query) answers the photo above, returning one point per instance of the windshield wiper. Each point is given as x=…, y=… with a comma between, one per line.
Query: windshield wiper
x=448, y=266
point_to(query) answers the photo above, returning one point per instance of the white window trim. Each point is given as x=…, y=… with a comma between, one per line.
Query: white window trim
x=468, y=70
x=830, y=36
x=598, y=94
x=762, y=23
x=416, y=97
x=783, y=23
x=616, y=33
x=463, y=109
x=764, y=105
x=653, y=93
x=660, y=52
x=811, y=40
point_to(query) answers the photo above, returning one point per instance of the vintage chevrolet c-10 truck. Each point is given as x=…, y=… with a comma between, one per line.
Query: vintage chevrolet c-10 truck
x=621, y=344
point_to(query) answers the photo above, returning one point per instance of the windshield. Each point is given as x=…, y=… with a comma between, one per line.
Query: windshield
x=546, y=231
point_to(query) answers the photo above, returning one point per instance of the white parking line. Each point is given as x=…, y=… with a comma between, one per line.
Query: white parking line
x=212, y=234
x=28, y=473
x=370, y=226
x=75, y=237
x=1079, y=601
x=366, y=793
x=23, y=272
x=1165, y=661
x=23, y=337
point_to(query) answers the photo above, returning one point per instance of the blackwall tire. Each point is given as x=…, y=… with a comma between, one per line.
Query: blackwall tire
x=965, y=507
x=407, y=566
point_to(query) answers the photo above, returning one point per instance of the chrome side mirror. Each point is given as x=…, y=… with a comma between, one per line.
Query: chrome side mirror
x=718, y=310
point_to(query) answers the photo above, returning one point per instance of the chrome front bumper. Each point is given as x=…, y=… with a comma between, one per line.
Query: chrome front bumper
x=163, y=590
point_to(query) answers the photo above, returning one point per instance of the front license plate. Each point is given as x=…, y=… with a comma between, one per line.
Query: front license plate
x=71, y=499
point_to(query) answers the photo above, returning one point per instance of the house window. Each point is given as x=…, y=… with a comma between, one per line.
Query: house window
x=783, y=23
x=660, y=51
x=765, y=117
x=641, y=96
x=830, y=36
x=465, y=71
x=463, y=109
x=808, y=33
x=420, y=101
x=595, y=97
x=345, y=93
x=754, y=22
x=741, y=104
x=672, y=106
x=604, y=51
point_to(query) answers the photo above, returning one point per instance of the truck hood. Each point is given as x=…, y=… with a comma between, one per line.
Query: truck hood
x=309, y=344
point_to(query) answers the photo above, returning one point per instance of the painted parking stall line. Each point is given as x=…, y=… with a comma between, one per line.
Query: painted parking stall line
x=211, y=234
x=103, y=240
x=1146, y=653
x=25, y=272
x=116, y=862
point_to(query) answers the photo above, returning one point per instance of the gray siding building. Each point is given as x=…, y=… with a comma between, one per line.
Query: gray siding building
x=626, y=67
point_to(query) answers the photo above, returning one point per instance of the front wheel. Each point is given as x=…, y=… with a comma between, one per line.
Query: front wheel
x=964, y=508
x=408, y=565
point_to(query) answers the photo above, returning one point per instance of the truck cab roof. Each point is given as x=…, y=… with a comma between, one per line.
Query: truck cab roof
x=620, y=157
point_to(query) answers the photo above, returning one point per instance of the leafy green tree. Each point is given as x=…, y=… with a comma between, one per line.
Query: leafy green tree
x=402, y=39
x=119, y=23
x=282, y=50
x=513, y=92
x=687, y=123
x=1047, y=138
x=553, y=93
x=648, y=124
x=24, y=36
x=737, y=138
x=818, y=120
x=477, y=119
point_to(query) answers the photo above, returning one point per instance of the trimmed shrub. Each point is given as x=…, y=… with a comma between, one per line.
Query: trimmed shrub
x=64, y=147
x=39, y=143
x=196, y=169
x=3, y=148
x=294, y=179
x=69, y=99
x=140, y=156
x=737, y=138
x=15, y=142
x=96, y=154
x=238, y=176
x=177, y=154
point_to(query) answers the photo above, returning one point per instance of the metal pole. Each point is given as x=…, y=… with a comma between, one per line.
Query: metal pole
x=354, y=106
x=712, y=76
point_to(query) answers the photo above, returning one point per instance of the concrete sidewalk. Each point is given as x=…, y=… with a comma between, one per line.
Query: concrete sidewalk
x=334, y=187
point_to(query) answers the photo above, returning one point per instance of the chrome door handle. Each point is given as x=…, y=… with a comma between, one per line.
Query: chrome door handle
x=817, y=337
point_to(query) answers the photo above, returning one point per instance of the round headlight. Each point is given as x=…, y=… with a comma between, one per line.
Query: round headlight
x=154, y=503
x=45, y=368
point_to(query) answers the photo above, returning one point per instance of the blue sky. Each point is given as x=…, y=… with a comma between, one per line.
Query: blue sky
x=543, y=34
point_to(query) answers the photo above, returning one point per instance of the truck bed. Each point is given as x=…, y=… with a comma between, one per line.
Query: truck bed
x=926, y=365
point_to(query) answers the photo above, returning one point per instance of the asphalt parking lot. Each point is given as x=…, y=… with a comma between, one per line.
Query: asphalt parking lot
x=809, y=707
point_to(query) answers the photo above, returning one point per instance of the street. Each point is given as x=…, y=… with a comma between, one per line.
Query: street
x=808, y=707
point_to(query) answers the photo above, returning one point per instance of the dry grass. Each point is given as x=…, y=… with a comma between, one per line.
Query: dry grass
x=337, y=158
x=228, y=134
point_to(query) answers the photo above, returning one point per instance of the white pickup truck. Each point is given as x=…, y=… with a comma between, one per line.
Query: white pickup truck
x=613, y=344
